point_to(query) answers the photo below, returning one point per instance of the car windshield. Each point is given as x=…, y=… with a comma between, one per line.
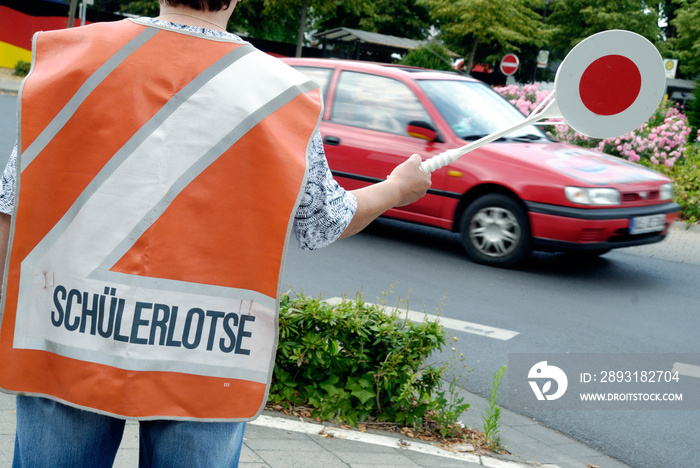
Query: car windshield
x=474, y=110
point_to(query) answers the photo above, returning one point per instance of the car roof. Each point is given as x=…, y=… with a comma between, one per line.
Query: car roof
x=386, y=69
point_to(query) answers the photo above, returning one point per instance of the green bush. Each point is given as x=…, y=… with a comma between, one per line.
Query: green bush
x=692, y=110
x=22, y=68
x=686, y=181
x=355, y=361
x=432, y=55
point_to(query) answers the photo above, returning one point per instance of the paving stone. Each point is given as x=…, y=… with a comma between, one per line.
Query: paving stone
x=282, y=445
x=392, y=458
x=300, y=459
x=248, y=455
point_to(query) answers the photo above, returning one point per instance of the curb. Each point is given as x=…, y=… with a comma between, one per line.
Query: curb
x=695, y=227
x=289, y=424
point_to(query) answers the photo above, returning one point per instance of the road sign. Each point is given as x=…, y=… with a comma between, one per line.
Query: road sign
x=542, y=59
x=671, y=66
x=509, y=64
x=610, y=83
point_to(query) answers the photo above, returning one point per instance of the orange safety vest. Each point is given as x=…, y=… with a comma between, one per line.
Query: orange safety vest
x=157, y=182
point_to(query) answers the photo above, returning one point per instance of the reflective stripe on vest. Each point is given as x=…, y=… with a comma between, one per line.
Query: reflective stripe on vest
x=154, y=207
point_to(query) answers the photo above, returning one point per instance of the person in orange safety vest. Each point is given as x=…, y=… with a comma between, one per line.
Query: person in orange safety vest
x=161, y=166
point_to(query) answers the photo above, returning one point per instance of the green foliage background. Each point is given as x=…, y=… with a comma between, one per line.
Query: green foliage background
x=433, y=55
x=480, y=30
x=686, y=177
x=692, y=110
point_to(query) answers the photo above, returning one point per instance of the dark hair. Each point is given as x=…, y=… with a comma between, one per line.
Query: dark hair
x=210, y=5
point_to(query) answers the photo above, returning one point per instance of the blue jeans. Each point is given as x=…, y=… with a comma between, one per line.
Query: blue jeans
x=56, y=435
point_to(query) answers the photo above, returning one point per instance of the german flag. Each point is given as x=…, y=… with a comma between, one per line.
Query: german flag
x=20, y=19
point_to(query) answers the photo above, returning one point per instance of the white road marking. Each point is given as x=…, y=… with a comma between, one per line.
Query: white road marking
x=686, y=369
x=452, y=324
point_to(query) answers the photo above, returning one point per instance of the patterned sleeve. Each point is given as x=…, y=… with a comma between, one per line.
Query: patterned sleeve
x=326, y=209
x=7, y=192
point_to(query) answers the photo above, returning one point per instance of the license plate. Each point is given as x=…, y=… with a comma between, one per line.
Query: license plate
x=652, y=223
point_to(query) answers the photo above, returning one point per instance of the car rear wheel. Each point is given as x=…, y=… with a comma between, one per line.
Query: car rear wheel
x=495, y=231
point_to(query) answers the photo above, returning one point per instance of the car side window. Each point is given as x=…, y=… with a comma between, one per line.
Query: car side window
x=376, y=103
x=322, y=76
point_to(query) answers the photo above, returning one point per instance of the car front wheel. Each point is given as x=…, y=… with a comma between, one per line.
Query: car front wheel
x=495, y=231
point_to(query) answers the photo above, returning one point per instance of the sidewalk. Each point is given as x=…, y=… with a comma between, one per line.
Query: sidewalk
x=682, y=245
x=9, y=82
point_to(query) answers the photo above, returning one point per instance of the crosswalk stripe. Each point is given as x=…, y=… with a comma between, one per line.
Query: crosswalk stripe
x=452, y=324
x=686, y=369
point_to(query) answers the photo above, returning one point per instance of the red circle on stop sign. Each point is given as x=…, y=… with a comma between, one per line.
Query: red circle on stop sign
x=610, y=97
x=509, y=64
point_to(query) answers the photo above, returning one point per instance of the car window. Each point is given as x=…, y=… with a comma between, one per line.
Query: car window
x=375, y=102
x=473, y=109
x=320, y=75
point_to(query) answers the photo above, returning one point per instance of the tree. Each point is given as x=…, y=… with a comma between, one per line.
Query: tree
x=289, y=20
x=275, y=20
x=687, y=42
x=252, y=19
x=575, y=20
x=402, y=18
x=466, y=25
x=71, y=12
x=667, y=13
x=432, y=55
x=692, y=111
x=140, y=7
x=299, y=9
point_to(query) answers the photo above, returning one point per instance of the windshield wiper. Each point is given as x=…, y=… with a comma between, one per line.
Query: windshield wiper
x=527, y=137
x=479, y=136
x=519, y=138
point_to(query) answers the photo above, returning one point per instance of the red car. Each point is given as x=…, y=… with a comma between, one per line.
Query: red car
x=521, y=193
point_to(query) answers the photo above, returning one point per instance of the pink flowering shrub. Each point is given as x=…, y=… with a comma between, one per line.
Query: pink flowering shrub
x=525, y=98
x=660, y=141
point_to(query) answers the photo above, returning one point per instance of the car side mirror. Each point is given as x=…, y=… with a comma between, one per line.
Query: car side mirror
x=422, y=130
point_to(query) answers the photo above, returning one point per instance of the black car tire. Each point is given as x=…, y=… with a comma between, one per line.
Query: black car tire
x=495, y=231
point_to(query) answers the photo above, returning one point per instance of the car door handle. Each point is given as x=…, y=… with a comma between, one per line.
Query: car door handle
x=331, y=140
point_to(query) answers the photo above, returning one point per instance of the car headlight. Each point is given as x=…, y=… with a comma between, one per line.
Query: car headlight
x=592, y=196
x=666, y=191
